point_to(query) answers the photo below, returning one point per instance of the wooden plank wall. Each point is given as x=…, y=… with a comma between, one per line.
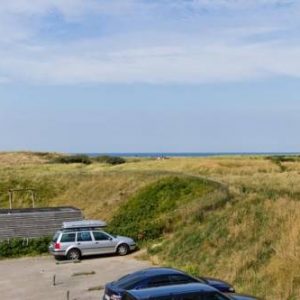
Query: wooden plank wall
x=30, y=223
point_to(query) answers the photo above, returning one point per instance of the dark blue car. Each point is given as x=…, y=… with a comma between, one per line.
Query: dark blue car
x=156, y=277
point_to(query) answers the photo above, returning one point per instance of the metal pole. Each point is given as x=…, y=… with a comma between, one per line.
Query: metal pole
x=32, y=197
x=10, y=196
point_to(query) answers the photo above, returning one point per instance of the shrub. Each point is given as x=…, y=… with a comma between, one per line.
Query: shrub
x=19, y=246
x=112, y=160
x=71, y=159
x=147, y=214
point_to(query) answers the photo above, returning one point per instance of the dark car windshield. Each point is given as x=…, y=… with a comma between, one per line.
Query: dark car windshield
x=128, y=282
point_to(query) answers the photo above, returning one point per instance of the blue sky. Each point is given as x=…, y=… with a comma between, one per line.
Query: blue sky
x=143, y=76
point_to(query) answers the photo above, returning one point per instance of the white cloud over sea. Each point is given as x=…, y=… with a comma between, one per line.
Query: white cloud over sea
x=130, y=41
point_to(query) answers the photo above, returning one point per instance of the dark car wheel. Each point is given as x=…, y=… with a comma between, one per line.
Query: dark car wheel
x=123, y=249
x=73, y=254
x=59, y=258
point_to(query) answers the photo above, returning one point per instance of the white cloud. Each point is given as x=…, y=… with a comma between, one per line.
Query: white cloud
x=201, y=50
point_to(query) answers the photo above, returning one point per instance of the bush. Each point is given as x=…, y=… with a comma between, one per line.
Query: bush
x=283, y=158
x=147, y=215
x=20, y=246
x=112, y=160
x=71, y=159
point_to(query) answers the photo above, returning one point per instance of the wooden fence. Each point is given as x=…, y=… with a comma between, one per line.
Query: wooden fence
x=35, y=222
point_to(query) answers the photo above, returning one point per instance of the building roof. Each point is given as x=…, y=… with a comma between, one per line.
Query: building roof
x=38, y=210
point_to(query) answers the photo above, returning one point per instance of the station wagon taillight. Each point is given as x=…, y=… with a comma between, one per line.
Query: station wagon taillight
x=57, y=246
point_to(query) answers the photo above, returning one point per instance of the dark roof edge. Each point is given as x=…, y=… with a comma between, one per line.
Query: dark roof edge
x=39, y=209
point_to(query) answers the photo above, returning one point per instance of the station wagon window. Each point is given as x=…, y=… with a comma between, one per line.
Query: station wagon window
x=55, y=237
x=100, y=236
x=68, y=238
x=84, y=236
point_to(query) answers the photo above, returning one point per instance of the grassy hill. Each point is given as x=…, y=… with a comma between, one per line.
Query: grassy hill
x=248, y=234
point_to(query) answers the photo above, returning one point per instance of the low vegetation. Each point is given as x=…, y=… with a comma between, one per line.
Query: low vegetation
x=85, y=159
x=112, y=160
x=72, y=159
x=20, y=247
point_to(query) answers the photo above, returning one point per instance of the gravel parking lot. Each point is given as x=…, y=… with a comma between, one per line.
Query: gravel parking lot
x=32, y=278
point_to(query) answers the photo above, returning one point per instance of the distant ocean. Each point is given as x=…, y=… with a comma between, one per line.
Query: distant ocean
x=188, y=154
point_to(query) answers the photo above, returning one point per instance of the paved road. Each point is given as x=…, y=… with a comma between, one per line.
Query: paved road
x=31, y=278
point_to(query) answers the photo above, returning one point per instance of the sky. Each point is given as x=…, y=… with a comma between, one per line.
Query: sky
x=150, y=76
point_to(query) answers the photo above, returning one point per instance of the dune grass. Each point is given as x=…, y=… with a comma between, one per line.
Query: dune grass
x=252, y=239
x=160, y=207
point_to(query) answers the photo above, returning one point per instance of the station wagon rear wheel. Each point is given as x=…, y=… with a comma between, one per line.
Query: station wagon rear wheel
x=73, y=254
x=123, y=249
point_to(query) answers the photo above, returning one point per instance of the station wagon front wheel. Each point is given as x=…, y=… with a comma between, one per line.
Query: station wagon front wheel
x=73, y=254
x=123, y=249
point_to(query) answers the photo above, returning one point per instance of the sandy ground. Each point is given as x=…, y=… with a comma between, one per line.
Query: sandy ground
x=32, y=278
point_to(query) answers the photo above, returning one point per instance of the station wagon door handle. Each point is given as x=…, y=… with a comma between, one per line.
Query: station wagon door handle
x=77, y=243
x=96, y=242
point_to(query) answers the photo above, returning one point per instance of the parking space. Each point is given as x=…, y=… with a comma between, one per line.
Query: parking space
x=32, y=278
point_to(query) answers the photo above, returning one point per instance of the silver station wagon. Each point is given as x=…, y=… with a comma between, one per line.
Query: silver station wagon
x=82, y=238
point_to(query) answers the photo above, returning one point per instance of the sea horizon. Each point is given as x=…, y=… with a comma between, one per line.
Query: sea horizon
x=186, y=154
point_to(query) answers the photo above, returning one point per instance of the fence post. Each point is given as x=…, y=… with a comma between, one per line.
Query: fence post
x=10, y=197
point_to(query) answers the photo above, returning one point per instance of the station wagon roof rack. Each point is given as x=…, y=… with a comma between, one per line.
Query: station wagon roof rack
x=84, y=224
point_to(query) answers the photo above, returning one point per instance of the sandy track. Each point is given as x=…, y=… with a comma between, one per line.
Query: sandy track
x=31, y=278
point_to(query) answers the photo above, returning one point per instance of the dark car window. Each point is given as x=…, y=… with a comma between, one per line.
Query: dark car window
x=191, y=296
x=129, y=282
x=84, y=236
x=68, y=238
x=214, y=296
x=128, y=297
x=55, y=237
x=178, y=279
x=100, y=236
x=159, y=281
x=171, y=297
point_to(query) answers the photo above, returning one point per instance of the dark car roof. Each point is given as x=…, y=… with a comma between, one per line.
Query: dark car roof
x=171, y=289
x=158, y=271
x=149, y=272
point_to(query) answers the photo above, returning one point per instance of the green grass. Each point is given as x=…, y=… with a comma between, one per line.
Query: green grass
x=157, y=208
